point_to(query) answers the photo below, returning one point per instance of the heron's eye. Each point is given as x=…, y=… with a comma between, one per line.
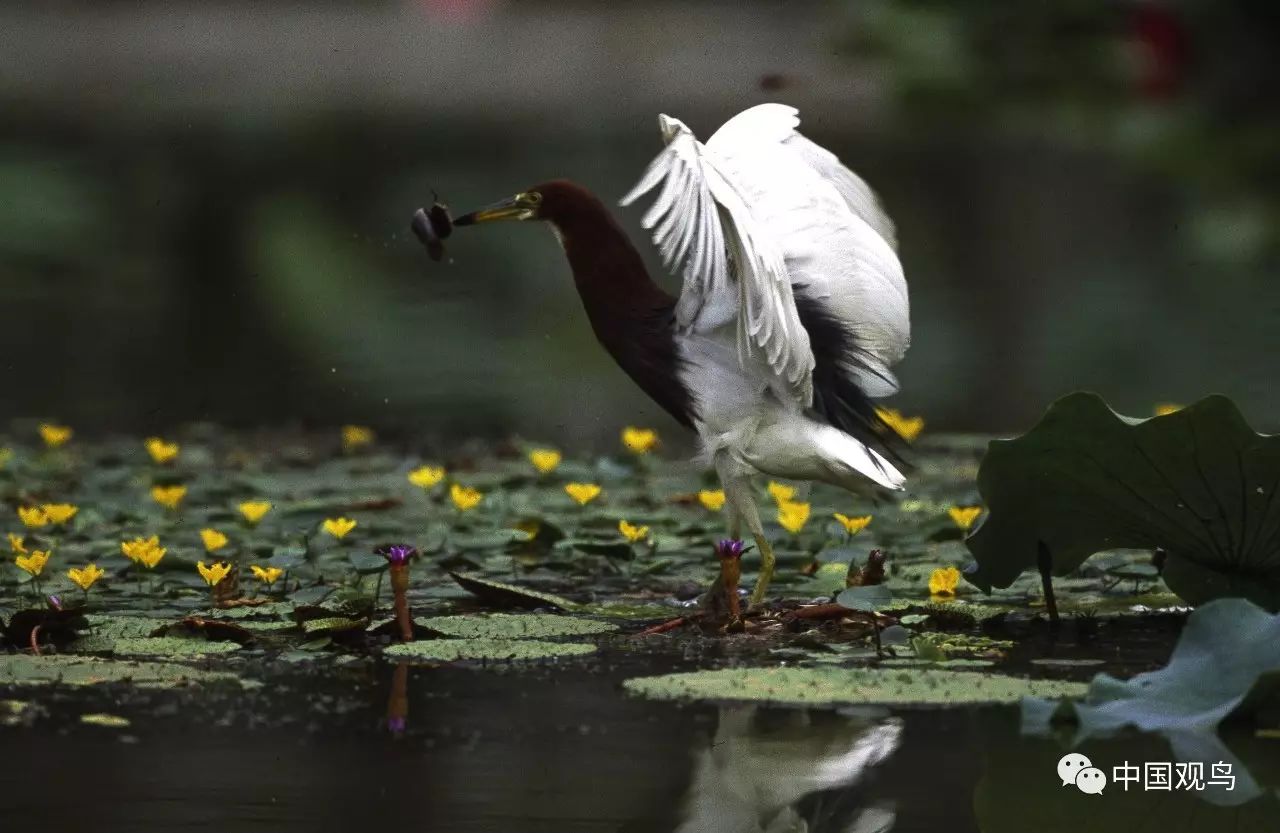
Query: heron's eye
x=534, y=198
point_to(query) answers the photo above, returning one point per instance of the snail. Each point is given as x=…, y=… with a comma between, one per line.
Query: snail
x=432, y=226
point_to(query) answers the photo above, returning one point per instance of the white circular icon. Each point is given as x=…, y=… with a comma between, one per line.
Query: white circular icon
x=1070, y=765
x=1091, y=780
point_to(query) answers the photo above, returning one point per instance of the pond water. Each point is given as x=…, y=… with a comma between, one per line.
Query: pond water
x=556, y=747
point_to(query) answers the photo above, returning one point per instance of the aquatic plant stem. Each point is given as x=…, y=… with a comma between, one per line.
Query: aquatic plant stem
x=400, y=587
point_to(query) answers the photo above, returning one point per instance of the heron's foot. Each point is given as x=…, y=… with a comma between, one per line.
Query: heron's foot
x=766, y=572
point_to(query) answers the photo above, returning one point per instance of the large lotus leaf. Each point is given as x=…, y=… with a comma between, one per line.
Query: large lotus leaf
x=1228, y=656
x=1198, y=483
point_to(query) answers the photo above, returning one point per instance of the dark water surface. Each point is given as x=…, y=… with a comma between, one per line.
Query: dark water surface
x=554, y=748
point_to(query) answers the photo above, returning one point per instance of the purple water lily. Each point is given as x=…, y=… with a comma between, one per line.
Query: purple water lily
x=730, y=548
x=397, y=554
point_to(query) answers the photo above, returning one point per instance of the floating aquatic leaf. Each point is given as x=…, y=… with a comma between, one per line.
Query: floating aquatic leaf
x=170, y=646
x=501, y=594
x=866, y=599
x=1227, y=659
x=110, y=721
x=367, y=564
x=847, y=686
x=455, y=650
x=1198, y=483
x=333, y=624
x=66, y=669
x=514, y=625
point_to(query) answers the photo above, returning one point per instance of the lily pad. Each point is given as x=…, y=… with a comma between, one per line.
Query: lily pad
x=65, y=669
x=457, y=650
x=867, y=599
x=333, y=624
x=514, y=626
x=847, y=686
x=109, y=721
x=502, y=594
x=171, y=646
x=1198, y=483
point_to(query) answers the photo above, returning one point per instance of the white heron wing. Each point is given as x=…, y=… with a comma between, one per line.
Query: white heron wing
x=731, y=265
x=837, y=243
x=778, y=124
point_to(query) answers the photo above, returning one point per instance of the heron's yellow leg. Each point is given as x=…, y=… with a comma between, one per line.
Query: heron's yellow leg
x=740, y=508
x=766, y=569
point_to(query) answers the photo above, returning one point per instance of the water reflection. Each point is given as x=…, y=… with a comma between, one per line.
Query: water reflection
x=398, y=702
x=558, y=748
x=755, y=772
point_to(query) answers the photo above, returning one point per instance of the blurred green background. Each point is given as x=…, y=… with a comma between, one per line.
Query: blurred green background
x=204, y=206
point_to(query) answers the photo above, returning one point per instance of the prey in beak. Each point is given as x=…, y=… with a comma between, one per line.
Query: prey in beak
x=520, y=207
x=431, y=227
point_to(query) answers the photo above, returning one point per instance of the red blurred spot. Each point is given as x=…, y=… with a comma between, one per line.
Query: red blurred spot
x=1164, y=50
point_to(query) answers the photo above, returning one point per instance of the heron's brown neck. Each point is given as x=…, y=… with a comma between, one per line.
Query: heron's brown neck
x=633, y=317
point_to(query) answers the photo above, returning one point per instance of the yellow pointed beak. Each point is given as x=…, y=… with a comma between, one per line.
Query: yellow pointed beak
x=519, y=207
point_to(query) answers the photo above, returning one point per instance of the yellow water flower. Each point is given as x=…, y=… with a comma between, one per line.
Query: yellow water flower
x=144, y=551
x=133, y=549
x=639, y=440
x=852, y=525
x=85, y=578
x=17, y=543
x=356, y=436
x=33, y=563
x=168, y=496
x=465, y=497
x=781, y=492
x=254, y=510
x=632, y=532
x=267, y=575
x=712, y=499
x=793, y=516
x=151, y=556
x=214, y=573
x=212, y=539
x=33, y=517
x=943, y=581
x=55, y=436
x=59, y=513
x=583, y=493
x=426, y=476
x=545, y=460
x=161, y=451
x=964, y=516
x=6, y=454
x=339, y=527
x=906, y=427
x=1166, y=408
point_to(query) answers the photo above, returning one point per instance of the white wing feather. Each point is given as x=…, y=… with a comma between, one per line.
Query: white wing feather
x=704, y=228
x=837, y=242
x=760, y=211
